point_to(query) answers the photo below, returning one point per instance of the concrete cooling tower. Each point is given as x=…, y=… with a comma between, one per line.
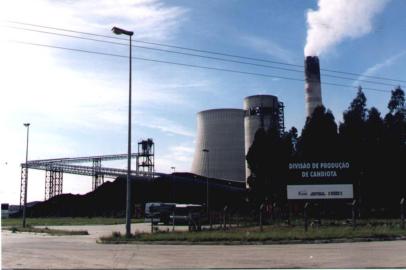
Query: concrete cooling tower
x=312, y=85
x=221, y=132
x=261, y=111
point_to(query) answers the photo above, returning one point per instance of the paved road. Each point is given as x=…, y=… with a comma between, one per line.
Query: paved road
x=26, y=250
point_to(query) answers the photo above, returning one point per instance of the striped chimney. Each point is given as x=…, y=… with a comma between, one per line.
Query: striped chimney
x=312, y=84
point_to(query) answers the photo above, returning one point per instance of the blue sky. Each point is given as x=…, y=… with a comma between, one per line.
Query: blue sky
x=77, y=103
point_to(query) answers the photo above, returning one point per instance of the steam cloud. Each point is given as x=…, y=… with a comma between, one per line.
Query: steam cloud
x=336, y=20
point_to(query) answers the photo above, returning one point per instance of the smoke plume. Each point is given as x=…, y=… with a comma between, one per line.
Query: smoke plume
x=336, y=20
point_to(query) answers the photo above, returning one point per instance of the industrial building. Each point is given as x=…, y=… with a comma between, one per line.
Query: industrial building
x=261, y=111
x=219, y=167
x=224, y=136
x=221, y=132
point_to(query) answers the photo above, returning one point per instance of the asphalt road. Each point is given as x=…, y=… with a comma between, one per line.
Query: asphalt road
x=27, y=250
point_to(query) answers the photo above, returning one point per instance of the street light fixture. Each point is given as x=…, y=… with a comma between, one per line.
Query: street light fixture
x=119, y=31
x=27, y=125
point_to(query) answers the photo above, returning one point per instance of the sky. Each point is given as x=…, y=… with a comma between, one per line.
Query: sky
x=77, y=103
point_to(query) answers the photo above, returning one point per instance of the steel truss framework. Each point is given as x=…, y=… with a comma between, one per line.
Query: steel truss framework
x=277, y=114
x=53, y=183
x=281, y=118
x=22, y=185
x=55, y=168
x=145, y=159
x=97, y=179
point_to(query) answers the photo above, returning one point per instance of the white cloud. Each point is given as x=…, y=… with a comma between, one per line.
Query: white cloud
x=64, y=94
x=269, y=47
x=150, y=19
x=165, y=125
x=373, y=70
x=142, y=16
x=179, y=156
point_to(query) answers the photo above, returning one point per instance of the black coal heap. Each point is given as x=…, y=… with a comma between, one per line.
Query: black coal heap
x=110, y=198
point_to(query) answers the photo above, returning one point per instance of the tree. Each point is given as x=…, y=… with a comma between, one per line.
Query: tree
x=267, y=159
x=395, y=146
x=354, y=118
x=397, y=101
x=395, y=120
x=374, y=161
x=319, y=136
x=293, y=137
x=352, y=139
x=257, y=163
x=358, y=105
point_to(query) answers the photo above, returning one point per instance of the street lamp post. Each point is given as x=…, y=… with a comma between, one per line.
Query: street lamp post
x=173, y=197
x=207, y=179
x=172, y=184
x=27, y=125
x=119, y=31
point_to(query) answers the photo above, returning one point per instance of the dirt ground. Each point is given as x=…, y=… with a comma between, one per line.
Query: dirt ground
x=27, y=250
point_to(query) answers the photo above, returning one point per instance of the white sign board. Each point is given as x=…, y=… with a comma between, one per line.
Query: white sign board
x=300, y=192
x=319, y=180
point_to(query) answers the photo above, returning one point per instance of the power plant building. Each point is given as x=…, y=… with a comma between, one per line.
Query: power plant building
x=261, y=111
x=227, y=134
x=221, y=132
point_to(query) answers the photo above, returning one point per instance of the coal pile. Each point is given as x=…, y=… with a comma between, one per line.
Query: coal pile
x=110, y=198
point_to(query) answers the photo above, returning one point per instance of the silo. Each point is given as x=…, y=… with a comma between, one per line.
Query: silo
x=221, y=132
x=261, y=111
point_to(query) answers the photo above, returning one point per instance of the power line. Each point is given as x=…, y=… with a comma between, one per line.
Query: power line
x=196, y=55
x=191, y=65
x=207, y=51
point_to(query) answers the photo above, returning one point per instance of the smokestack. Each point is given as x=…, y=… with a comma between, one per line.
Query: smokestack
x=312, y=84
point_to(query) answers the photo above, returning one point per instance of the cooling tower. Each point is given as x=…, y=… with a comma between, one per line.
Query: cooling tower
x=221, y=132
x=312, y=84
x=260, y=111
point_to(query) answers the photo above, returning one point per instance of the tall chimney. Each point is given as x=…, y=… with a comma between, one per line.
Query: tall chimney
x=312, y=84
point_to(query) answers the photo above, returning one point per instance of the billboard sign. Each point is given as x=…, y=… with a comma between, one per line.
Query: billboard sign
x=320, y=180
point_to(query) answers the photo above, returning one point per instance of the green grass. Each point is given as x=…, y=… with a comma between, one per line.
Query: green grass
x=8, y=222
x=271, y=234
x=360, y=222
x=46, y=230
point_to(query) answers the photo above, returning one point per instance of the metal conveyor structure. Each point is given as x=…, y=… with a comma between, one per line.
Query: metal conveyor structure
x=55, y=168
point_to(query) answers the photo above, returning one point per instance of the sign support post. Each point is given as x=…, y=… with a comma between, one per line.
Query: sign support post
x=305, y=215
x=260, y=217
x=354, y=216
x=402, y=213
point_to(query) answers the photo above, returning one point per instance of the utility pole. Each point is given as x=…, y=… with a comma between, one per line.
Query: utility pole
x=172, y=184
x=119, y=31
x=206, y=151
x=27, y=125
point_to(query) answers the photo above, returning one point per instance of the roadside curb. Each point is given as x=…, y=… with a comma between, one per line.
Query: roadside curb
x=268, y=242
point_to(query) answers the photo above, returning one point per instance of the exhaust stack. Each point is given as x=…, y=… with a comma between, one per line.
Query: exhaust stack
x=312, y=84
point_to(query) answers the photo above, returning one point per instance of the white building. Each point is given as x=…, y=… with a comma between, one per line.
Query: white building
x=221, y=132
x=227, y=134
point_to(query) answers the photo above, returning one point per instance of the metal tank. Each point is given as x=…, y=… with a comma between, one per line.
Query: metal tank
x=221, y=132
x=261, y=111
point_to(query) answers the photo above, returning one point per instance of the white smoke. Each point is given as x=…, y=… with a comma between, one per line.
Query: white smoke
x=336, y=20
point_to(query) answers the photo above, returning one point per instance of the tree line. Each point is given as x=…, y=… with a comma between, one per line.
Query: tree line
x=375, y=146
